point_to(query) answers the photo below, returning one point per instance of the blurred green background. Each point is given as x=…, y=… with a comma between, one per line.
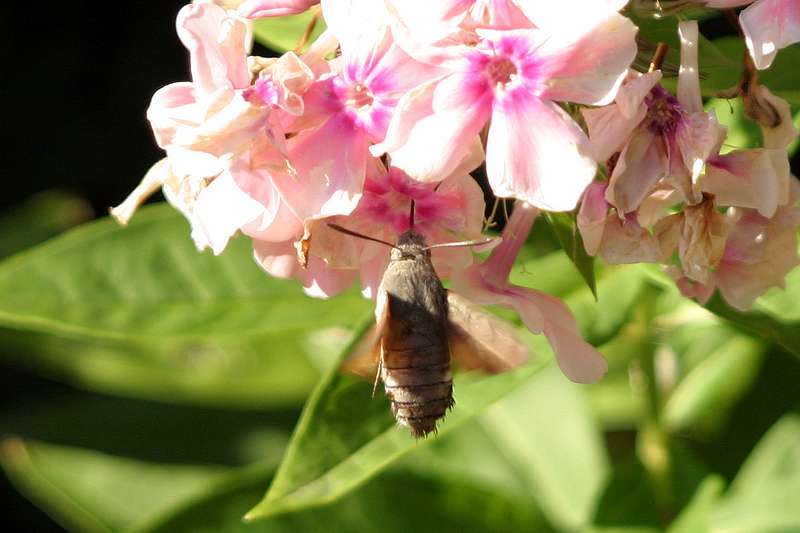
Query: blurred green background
x=148, y=387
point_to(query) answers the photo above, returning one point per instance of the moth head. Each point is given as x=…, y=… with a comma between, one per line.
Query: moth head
x=410, y=245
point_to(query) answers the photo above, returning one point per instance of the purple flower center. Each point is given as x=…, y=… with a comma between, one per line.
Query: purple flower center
x=664, y=112
x=501, y=70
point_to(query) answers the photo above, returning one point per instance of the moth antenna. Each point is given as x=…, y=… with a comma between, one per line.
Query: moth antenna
x=411, y=215
x=460, y=243
x=346, y=231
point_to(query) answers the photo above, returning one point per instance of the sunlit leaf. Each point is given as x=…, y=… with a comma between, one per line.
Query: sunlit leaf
x=138, y=311
x=566, y=230
x=777, y=455
x=695, y=517
x=345, y=437
x=710, y=389
x=282, y=34
x=93, y=492
x=397, y=501
x=546, y=430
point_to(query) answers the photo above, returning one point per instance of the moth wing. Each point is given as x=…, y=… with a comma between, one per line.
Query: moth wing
x=365, y=356
x=481, y=340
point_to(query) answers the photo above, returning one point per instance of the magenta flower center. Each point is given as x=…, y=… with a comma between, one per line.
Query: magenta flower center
x=501, y=71
x=664, y=112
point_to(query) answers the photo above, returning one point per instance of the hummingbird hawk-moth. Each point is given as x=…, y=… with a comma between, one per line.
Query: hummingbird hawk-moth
x=420, y=326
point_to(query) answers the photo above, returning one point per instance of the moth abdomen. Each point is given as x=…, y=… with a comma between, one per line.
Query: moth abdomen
x=419, y=388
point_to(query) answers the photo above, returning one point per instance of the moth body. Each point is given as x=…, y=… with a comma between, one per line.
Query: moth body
x=415, y=356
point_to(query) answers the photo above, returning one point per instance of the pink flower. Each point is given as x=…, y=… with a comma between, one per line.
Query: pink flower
x=254, y=9
x=218, y=131
x=658, y=136
x=535, y=151
x=487, y=284
x=346, y=110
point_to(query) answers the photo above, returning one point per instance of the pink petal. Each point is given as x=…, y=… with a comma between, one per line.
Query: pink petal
x=759, y=254
x=641, y=165
x=569, y=16
x=784, y=133
x=434, y=127
x=633, y=92
x=330, y=164
x=254, y=9
x=590, y=67
x=171, y=108
x=592, y=216
x=756, y=179
x=216, y=44
x=220, y=210
x=688, y=76
x=609, y=129
x=768, y=26
x=547, y=165
x=626, y=242
x=541, y=313
x=698, y=136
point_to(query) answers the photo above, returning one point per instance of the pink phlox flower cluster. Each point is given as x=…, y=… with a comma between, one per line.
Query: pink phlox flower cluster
x=397, y=101
x=673, y=198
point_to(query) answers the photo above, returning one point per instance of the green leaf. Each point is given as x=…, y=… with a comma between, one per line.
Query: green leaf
x=138, y=311
x=397, y=501
x=767, y=320
x=742, y=132
x=40, y=217
x=766, y=326
x=152, y=431
x=774, y=509
x=93, y=492
x=566, y=230
x=776, y=456
x=345, y=437
x=628, y=499
x=282, y=34
x=780, y=78
x=544, y=428
x=712, y=387
x=695, y=517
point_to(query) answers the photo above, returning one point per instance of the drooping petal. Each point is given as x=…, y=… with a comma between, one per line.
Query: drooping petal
x=768, y=26
x=547, y=165
x=152, y=181
x=588, y=68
